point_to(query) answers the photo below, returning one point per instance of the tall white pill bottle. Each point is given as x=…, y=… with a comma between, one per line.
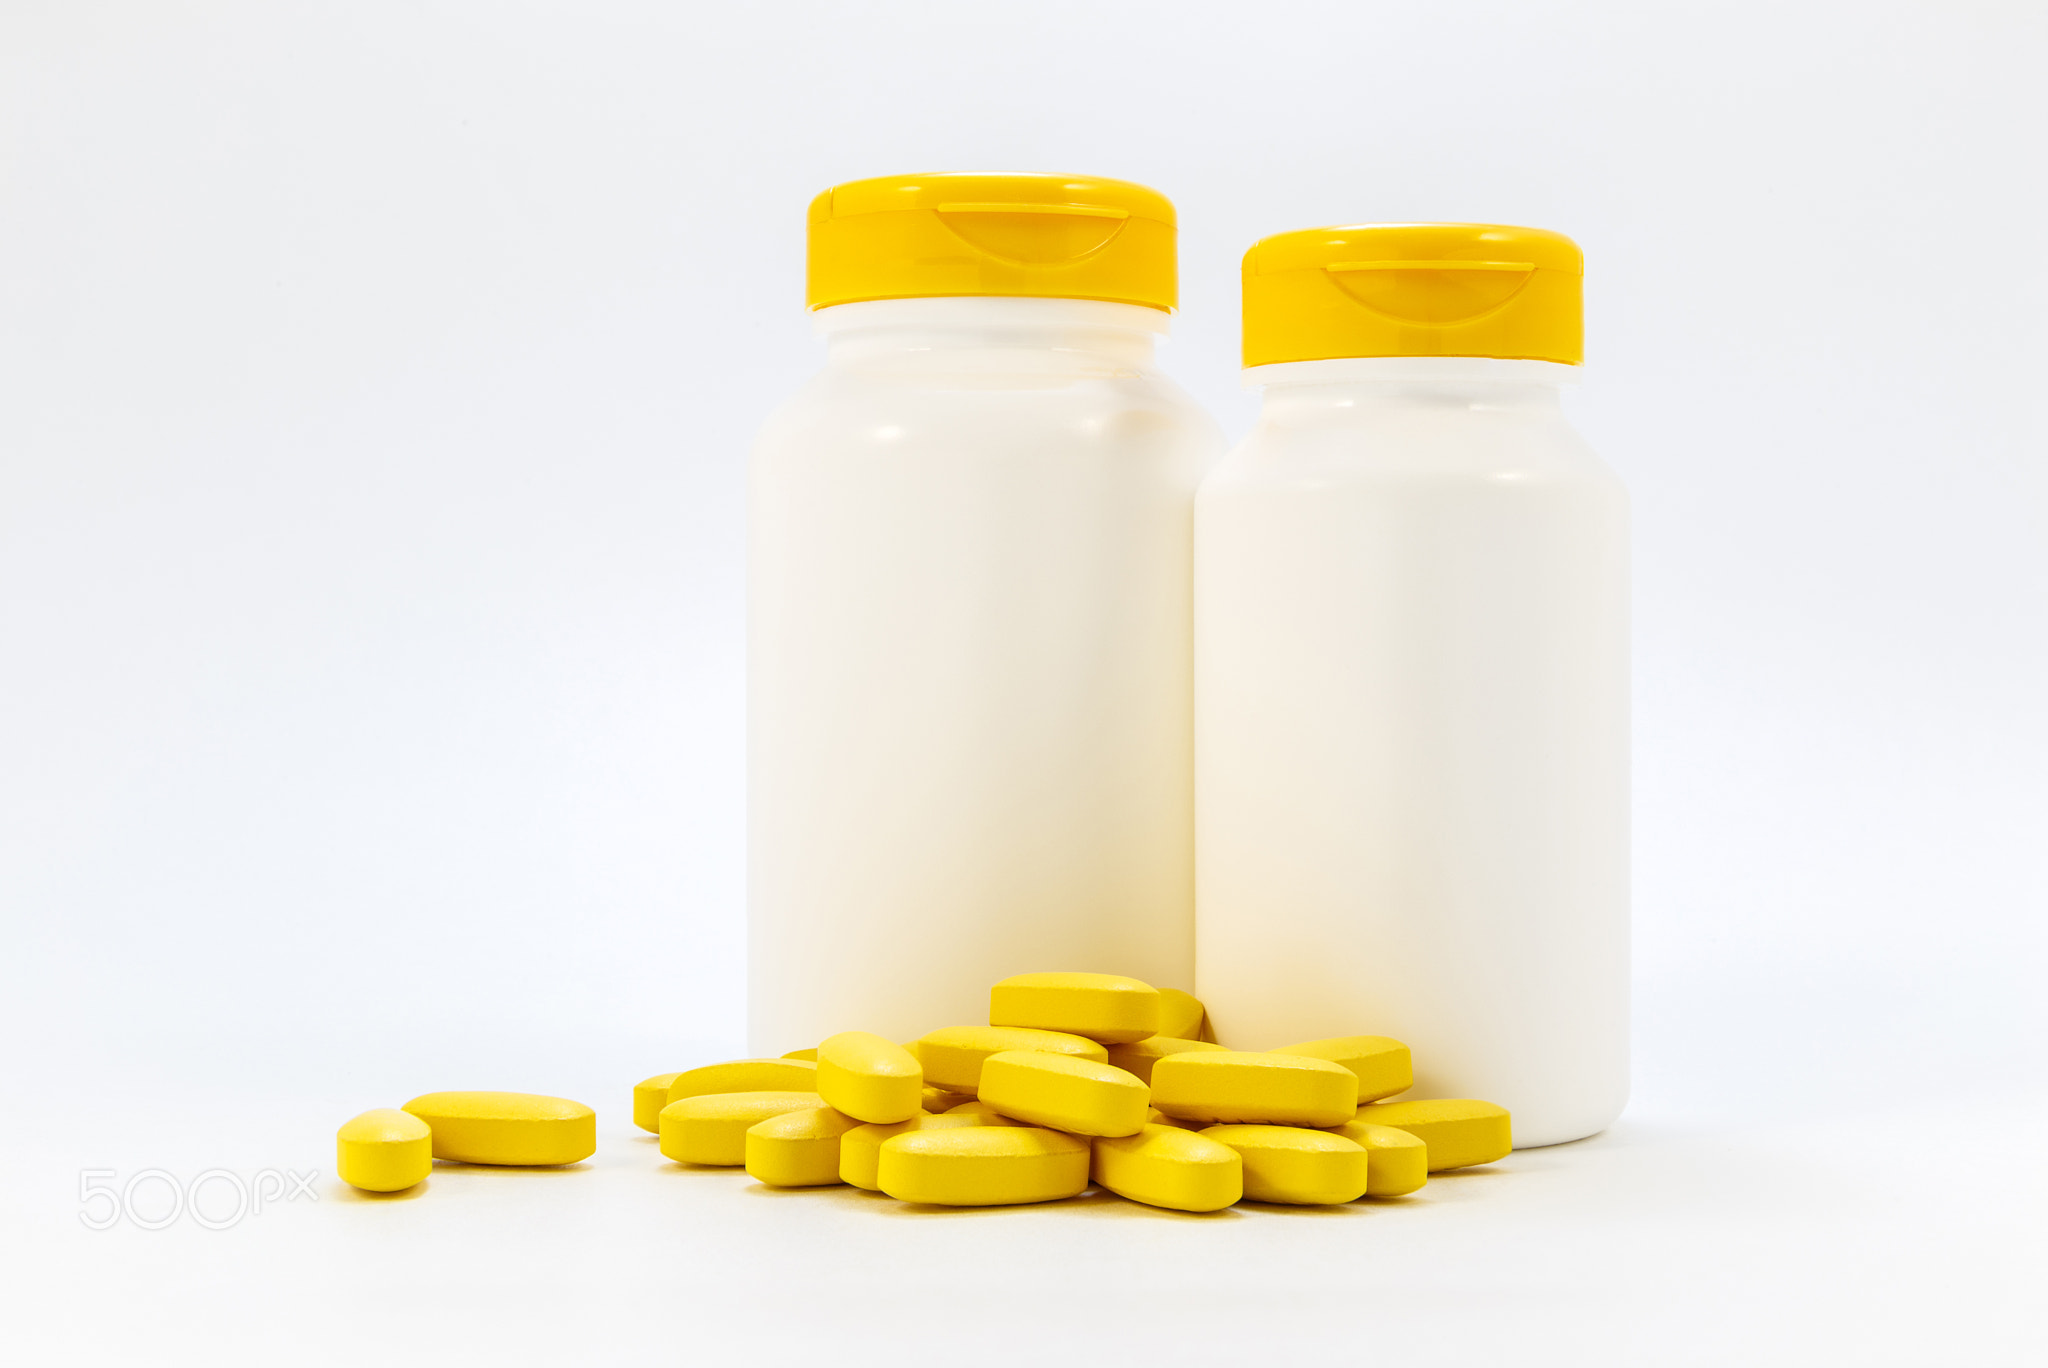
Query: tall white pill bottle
x=1412, y=676
x=969, y=659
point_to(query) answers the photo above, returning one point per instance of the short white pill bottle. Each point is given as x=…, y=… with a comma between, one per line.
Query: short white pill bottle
x=1412, y=676
x=969, y=658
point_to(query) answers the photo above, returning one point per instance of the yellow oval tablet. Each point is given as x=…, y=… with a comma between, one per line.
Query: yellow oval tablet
x=385, y=1150
x=1165, y=1166
x=1078, y=1096
x=711, y=1128
x=953, y=1055
x=1139, y=1056
x=1398, y=1162
x=860, y=1149
x=936, y=1100
x=745, y=1075
x=797, y=1148
x=810, y=1054
x=524, y=1129
x=1108, y=1008
x=1244, y=1086
x=1382, y=1063
x=978, y=1108
x=1298, y=1167
x=983, y=1166
x=1459, y=1131
x=870, y=1077
x=650, y=1095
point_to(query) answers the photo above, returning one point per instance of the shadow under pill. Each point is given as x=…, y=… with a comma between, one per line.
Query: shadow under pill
x=356, y=1194
x=458, y=1166
x=1309, y=1210
x=678, y=1166
x=831, y=1192
x=1114, y=1208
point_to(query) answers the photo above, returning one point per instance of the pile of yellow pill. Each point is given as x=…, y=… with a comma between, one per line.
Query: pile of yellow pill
x=1077, y=1079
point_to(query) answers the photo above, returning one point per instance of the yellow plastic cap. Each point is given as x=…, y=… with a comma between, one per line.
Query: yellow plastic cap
x=1413, y=289
x=992, y=233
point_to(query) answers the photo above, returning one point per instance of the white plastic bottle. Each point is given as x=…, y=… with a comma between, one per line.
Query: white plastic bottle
x=969, y=661
x=1412, y=676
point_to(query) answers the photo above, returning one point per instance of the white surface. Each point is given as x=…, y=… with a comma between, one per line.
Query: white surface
x=374, y=386
x=968, y=691
x=1411, y=734
x=1774, y=1235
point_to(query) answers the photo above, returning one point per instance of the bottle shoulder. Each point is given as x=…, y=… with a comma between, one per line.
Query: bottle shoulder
x=1406, y=446
x=841, y=406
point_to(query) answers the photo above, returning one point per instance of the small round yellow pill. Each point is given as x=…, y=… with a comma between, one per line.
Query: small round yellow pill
x=385, y=1150
x=983, y=1166
x=1258, y=1089
x=1383, y=1064
x=523, y=1129
x=1165, y=1166
x=1078, y=1096
x=982, y=1111
x=712, y=1127
x=649, y=1097
x=1181, y=1015
x=1295, y=1166
x=936, y=1100
x=953, y=1055
x=1139, y=1056
x=1459, y=1131
x=870, y=1077
x=1107, y=1008
x=860, y=1149
x=1398, y=1163
x=797, y=1148
x=745, y=1075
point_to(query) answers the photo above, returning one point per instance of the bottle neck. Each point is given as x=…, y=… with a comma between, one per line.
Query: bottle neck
x=1041, y=336
x=1476, y=383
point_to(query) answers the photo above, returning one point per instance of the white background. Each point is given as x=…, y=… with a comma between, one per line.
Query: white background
x=375, y=381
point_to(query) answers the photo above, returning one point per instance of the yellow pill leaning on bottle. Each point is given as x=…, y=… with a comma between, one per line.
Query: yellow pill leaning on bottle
x=870, y=1077
x=519, y=1129
x=1297, y=1167
x=1398, y=1163
x=1258, y=1089
x=953, y=1055
x=1165, y=1166
x=798, y=1148
x=1107, y=1008
x=983, y=1166
x=1181, y=1015
x=1078, y=1096
x=712, y=1128
x=745, y=1075
x=649, y=1097
x=385, y=1150
x=1460, y=1132
x=1382, y=1064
